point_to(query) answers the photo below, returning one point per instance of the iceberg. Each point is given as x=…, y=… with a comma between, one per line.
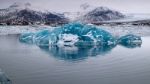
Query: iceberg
x=77, y=41
x=77, y=34
x=130, y=41
x=73, y=34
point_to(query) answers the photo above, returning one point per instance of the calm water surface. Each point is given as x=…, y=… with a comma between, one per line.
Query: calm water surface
x=30, y=64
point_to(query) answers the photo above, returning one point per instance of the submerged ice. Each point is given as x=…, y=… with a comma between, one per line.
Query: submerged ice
x=77, y=34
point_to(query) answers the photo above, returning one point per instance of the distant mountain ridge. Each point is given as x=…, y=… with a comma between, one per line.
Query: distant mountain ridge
x=23, y=14
x=18, y=14
x=101, y=14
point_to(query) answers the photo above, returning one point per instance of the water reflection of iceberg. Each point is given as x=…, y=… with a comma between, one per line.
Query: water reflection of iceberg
x=131, y=45
x=4, y=79
x=76, y=53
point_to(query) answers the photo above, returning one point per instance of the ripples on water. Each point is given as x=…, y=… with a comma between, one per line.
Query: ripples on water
x=30, y=64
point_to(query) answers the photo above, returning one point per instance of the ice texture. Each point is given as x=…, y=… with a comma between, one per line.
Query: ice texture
x=27, y=38
x=73, y=34
x=41, y=37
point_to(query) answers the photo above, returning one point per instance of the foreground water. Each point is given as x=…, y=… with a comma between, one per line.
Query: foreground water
x=30, y=64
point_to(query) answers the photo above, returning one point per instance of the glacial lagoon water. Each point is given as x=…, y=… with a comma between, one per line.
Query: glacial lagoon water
x=30, y=64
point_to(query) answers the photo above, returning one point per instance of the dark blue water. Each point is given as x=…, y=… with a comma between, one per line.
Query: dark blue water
x=30, y=64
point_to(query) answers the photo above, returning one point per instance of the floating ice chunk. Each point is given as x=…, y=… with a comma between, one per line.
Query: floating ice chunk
x=77, y=34
x=4, y=79
x=130, y=40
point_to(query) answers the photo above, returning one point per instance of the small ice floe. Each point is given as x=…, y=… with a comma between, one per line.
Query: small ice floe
x=130, y=40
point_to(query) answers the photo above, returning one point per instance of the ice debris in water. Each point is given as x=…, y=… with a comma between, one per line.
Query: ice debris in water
x=73, y=34
x=77, y=34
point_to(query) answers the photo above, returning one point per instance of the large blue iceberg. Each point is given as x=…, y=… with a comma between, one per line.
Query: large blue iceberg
x=73, y=34
x=77, y=34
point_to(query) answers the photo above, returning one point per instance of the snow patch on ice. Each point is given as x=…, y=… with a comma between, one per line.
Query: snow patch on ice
x=68, y=39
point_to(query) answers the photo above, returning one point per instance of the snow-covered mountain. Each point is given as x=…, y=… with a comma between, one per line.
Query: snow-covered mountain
x=23, y=14
x=100, y=14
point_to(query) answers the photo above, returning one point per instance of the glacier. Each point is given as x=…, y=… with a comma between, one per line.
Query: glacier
x=78, y=34
x=73, y=34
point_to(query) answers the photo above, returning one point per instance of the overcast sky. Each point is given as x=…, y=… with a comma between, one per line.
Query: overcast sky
x=127, y=6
